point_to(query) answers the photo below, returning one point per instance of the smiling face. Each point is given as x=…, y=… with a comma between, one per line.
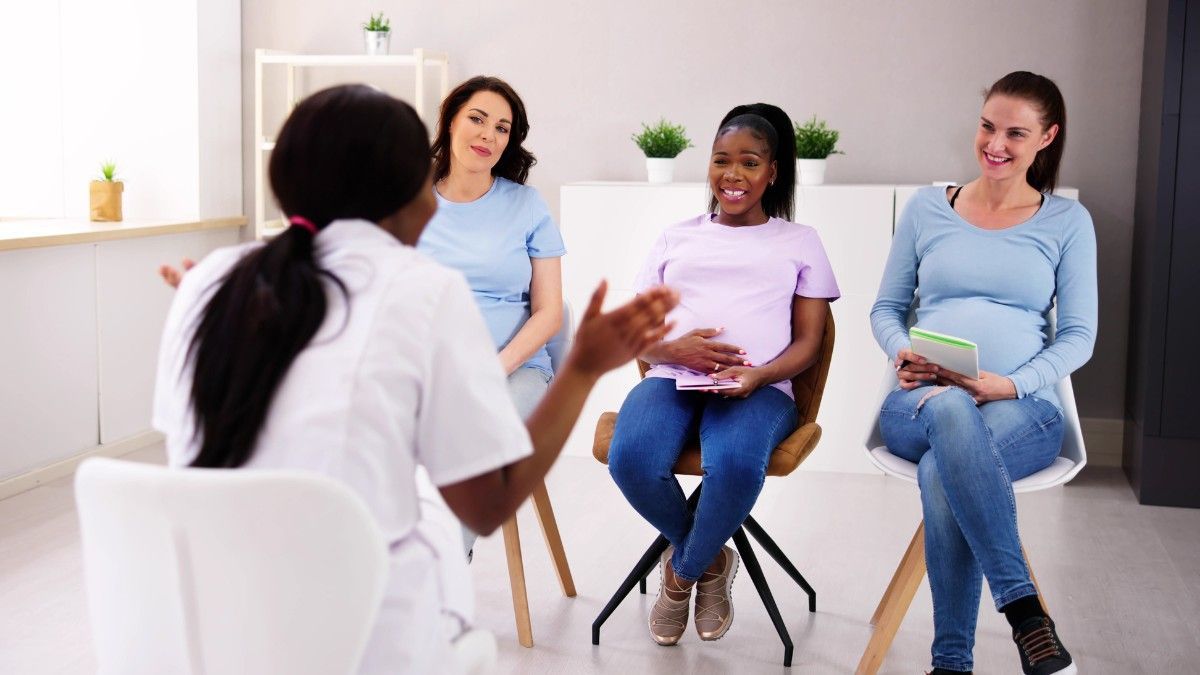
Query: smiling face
x=480, y=131
x=741, y=168
x=1009, y=137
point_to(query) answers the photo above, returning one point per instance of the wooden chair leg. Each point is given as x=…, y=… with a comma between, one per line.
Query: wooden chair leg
x=558, y=555
x=891, y=589
x=516, y=578
x=1041, y=598
x=895, y=603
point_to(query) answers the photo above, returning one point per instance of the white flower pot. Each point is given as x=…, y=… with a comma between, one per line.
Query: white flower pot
x=377, y=41
x=660, y=169
x=810, y=171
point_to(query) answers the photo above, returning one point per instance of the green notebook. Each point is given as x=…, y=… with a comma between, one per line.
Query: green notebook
x=947, y=351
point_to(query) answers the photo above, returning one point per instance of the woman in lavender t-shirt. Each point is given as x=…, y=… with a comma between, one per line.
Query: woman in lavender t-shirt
x=761, y=286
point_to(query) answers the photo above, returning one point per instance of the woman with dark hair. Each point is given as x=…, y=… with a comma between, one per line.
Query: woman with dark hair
x=338, y=348
x=497, y=231
x=767, y=284
x=987, y=262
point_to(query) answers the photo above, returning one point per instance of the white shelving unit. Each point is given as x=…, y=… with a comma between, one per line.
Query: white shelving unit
x=419, y=60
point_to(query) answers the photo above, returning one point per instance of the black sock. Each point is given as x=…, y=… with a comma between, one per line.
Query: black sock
x=1021, y=610
x=943, y=671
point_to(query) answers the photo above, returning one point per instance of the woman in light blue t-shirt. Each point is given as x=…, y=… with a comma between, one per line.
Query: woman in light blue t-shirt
x=497, y=231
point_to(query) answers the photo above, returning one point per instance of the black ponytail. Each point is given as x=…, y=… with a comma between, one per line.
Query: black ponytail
x=1046, y=97
x=348, y=152
x=772, y=124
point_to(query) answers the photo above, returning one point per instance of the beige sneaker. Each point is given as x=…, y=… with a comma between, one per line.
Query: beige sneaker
x=668, y=616
x=714, y=602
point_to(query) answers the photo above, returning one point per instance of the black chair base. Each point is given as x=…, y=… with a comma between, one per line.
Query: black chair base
x=650, y=558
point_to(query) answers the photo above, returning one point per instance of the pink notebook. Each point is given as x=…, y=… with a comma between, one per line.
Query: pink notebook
x=692, y=382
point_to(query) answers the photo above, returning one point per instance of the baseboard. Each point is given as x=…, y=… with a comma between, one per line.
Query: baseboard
x=1104, y=437
x=65, y=467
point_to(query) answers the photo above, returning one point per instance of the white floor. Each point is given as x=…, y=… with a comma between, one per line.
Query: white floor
x=1122, y=580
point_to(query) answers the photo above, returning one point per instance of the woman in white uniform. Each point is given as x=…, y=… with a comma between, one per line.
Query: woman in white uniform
x=338, y=348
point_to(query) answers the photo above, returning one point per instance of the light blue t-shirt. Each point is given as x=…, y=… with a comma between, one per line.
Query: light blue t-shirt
x=491, y=241
x=995, y=288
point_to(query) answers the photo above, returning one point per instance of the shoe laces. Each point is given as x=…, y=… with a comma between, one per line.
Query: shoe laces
x=716, y=582
x=1039, y=644
x=667, y=610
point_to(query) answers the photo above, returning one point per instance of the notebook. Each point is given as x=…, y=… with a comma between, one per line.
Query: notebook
x=947, y=351
x=691, y=382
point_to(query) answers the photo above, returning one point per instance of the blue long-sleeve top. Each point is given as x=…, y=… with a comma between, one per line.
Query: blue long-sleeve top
x=995, y=288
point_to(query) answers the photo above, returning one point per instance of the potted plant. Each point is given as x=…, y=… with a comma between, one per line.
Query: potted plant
x=661, y=143
x=377, y=31
x=106, y=195
x=814, y=143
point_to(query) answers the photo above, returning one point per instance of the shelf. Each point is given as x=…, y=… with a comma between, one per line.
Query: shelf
x=38, y=233
x=271, y=228
x=290, y=59
x=263, y=58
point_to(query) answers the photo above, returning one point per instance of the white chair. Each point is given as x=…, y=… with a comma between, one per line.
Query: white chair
x=560, y=344
x=249, y=571
x=558, y=347
x=911, y=570
x=219, y=571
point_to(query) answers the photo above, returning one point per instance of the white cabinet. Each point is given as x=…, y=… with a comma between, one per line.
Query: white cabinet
x=81, y=323
x=48, y=383
x=131, y=307
x=609, y=228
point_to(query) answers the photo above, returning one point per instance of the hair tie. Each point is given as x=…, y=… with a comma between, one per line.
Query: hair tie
x=304, y=223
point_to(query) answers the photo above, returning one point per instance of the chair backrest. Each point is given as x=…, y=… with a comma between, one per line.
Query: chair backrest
x=218, y=571
x=809, y=386
x=560, y=345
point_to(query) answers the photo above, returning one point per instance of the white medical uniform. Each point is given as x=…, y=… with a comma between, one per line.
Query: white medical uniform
x=400, y=377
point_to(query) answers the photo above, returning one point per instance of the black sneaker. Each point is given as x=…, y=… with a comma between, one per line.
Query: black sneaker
x=1042, y=653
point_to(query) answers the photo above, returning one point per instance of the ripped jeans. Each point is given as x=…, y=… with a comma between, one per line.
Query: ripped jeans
x=967, y=458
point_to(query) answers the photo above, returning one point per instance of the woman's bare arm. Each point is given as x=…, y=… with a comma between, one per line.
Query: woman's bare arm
x=545, y=314
x=603, y=341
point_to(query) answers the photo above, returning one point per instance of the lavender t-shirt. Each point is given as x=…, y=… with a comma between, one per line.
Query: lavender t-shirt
x=741, y=278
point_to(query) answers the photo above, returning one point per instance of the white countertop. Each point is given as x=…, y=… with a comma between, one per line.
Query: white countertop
x=35, y=233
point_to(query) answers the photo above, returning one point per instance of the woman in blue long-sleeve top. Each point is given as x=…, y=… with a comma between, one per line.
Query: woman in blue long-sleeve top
x=988, y=261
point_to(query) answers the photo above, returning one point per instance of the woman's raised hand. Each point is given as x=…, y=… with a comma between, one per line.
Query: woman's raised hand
x=606, y=340
x=173, y=276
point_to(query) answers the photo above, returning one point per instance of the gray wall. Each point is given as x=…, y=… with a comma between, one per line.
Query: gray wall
x=900, y=80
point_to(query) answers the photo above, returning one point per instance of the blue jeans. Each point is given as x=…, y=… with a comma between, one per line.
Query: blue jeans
x=736, y=440
x=967, y=458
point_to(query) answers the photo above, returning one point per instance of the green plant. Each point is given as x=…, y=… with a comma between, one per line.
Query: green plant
x=814, y=140
x=108, y=170
x=378, y=24
x=663, y=140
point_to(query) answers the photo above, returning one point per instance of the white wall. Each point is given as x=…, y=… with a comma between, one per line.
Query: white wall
x=901, y=80
x=151, y=85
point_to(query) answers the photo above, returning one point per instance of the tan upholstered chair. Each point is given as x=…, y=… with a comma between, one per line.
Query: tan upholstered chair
x=808, y=388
